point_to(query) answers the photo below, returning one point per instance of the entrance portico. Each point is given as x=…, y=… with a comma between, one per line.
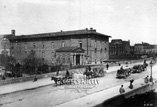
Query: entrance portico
x=75, y=54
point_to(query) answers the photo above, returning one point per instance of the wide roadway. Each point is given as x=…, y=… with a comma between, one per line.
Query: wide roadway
x=51, y=95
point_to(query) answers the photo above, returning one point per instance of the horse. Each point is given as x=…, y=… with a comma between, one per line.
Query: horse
x=88, y=74
x=57, y=79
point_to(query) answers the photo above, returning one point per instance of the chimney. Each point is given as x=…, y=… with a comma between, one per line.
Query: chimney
x=13, y=32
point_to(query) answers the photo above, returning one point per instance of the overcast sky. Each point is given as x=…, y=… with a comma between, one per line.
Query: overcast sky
x=134, y=20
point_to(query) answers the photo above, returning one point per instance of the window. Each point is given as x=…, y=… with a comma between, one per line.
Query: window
x=34, y=45
x=52, y=54
x=52, y=45
x=63, y=44
x=105, y=49
x=42, y=54
x=43, y=46
x=95, y=44
x=95, y=50
x=101, y=50
x=63, y=60
x=25, y=45
x=80, y=43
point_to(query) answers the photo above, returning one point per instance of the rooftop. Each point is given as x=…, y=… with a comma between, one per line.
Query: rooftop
x=61, y=33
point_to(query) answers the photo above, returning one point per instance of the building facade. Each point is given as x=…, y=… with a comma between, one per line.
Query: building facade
x=119, y=47
x=141, y=48
x=66, y=47
x=5, y=43
x=150, y=49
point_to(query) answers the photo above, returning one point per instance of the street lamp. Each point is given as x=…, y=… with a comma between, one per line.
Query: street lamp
x=151, y=78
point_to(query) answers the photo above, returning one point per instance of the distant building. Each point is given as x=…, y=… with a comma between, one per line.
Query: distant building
x=5, y=43
x=76, y=47
x=138, y=48
x=150, y=49
x=119, y=47
x=145, y=48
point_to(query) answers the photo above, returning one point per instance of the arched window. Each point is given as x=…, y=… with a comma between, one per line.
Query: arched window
x=63, y=60
x=80, y=43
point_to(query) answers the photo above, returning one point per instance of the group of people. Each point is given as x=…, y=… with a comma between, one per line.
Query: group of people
x=146, y=80
x=122, y=90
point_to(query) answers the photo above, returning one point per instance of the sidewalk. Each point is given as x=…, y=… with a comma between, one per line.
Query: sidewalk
x=40, y=83
x=25, y=85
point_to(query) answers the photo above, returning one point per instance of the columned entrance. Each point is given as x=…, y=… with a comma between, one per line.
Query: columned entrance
x=71, y=55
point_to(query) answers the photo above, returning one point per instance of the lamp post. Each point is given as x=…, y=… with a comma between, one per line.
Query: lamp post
x=151, y=78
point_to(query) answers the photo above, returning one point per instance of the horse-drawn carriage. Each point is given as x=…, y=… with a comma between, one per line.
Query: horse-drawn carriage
x=94, y=72
x=123, y=73
x=139, y=68
x=60, y=79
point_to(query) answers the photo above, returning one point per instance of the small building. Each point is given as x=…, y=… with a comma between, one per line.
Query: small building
x=5, y=43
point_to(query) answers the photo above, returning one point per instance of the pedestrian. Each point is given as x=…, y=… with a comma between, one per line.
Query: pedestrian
x=35, y=78
x=131, y=85
x=57, y=73
x=67, y=74
x=126, y=64
x=107, y=66
x=121, y=90
x=119, y=64
x=146, y=79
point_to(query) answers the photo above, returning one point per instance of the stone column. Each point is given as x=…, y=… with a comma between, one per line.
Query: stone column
x=80, y=59
x=74, y=59
x=71, y=59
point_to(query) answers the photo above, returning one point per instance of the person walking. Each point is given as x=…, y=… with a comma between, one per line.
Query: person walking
x=146, y=79
x=67, y=74
x=126, y=64
x=121, y=90
x=131, y=85
x=35, y=78
x=57, y=73
x=107, y=66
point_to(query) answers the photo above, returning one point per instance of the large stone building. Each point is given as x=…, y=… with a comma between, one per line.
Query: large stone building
x=76, y=47
x=119, y=47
